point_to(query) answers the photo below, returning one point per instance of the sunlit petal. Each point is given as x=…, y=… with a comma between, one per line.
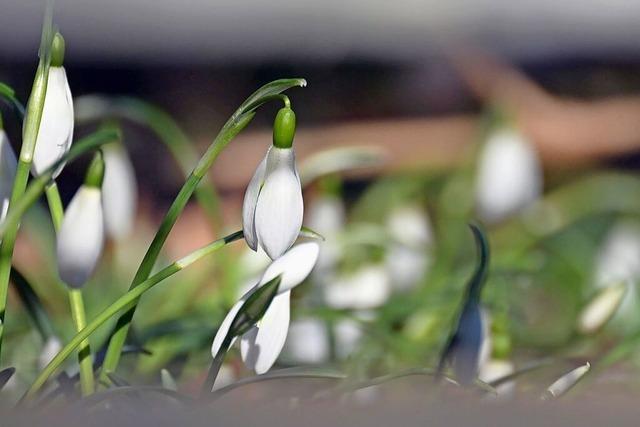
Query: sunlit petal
x=278, y=214
x=56, y=126
x=81, y=237
x=249, y=204
x=294, y=266
x=223, y=330
x=261, y=346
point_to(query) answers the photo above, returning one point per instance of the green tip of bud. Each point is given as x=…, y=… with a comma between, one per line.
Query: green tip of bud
x=284, y=128
x=95, y=172
x=57, y=50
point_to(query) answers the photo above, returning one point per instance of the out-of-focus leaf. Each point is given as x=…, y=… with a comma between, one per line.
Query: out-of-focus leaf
x=5, y=376
x=339, y=160
x=168, y=381
x=310, y=234
x=9, y=95
x=530, y=367
x=32, y=304
x=117, y=380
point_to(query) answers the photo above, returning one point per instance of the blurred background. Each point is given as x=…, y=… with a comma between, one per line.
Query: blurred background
x=524, y=117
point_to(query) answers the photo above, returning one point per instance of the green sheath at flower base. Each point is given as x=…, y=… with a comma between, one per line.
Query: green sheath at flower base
x=284, y=128
x=57, y=50
x=95, y=172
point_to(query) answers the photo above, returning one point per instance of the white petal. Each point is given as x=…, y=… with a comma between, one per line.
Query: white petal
x=8, y=166
x=294, y=266
x=224, y=328
x=509, y=175
x=56, y=126
x=410, y=226
x=278, y=215
x=119, y=192
x=81, y=237
x=601, y=308
x=249, y=204
x=261, y=346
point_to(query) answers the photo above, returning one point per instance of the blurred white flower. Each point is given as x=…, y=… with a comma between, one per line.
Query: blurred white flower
x=327, y=216
x=368, y=287
x=567, y=381
x=119, y=192
x=348, y=334
x=407, y=257
x=81, y=237
x=618, y=261
x=307, y=342
x=56, y=126
x=262, y=344
x=8, y=164
x=509, y=175
x=494, y=369
x=49, y=351
x=601, y=308
x=273, y=206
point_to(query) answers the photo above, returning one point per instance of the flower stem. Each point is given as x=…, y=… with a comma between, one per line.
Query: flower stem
x=76, y=301
x=30, y=134
x=122, y=303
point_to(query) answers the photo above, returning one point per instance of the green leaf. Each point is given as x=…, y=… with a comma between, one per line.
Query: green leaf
x=254, y=307
x=267, y=93
x=32, y=304
x=310, y=234
x=9, y=95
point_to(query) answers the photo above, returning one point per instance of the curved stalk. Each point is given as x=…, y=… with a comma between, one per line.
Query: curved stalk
x=122, y=303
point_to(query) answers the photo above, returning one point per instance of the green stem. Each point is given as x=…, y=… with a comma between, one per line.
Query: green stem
x=31, y=126
x=214, y=369
x=122, y=303
x=76, y=301
x=84, y=351
x=238, y=121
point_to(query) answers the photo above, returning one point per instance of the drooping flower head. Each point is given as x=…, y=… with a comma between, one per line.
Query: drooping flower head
x=8, y=166
x=81, y=237
x=119, y=191
x=261, y=345
x=273, y=207
x=56, y=125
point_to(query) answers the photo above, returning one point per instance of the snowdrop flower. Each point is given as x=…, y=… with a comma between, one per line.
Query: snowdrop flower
x=509, y=175
x=81, y=237
x=618, y=261
x=8, y=166
x=119, y=192
x=273, y=207
x=261, y=345
x=56, y=125
x=368, y=287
